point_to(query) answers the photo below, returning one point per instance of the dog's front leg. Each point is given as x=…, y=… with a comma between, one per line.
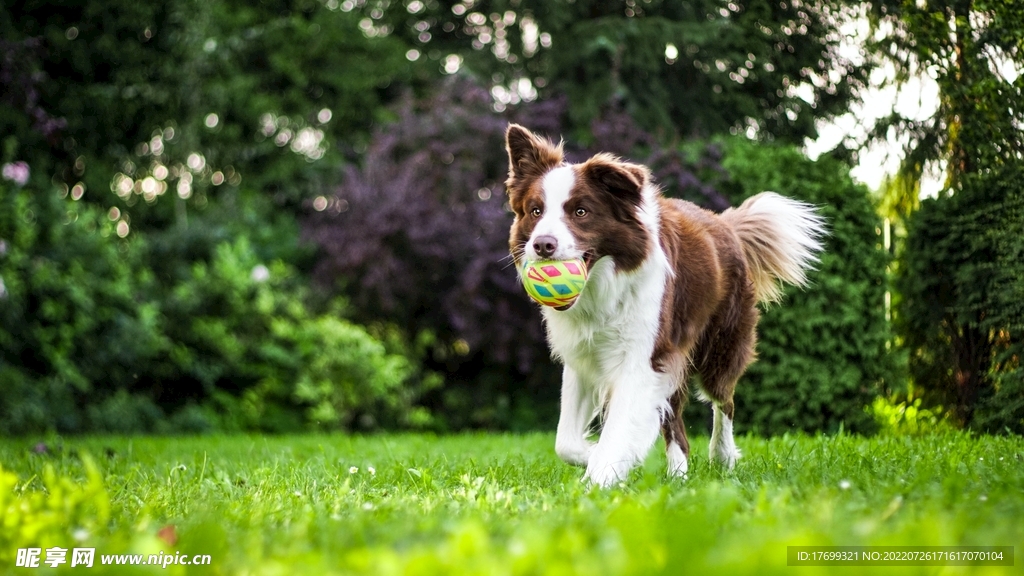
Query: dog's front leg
x=577, y=410
x=631, y=426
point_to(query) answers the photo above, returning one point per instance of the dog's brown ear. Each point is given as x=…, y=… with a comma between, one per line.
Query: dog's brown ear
x=620, y=179
x=640, y=173
x=529, y=156
x=620, y=183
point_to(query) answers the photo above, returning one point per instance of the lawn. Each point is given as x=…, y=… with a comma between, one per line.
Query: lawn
x=500, y=504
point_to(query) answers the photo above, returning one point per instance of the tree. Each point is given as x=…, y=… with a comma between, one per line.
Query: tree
x=160, y=136
x=970, y=48
x=955, y=316
x=193, y=96
x=679, y=68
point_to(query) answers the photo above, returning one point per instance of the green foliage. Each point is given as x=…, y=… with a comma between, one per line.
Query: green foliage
x=241, y=327
x=691, y=69
x=502, y=504
x=185, y=126
x=87, y=343
x=822, y=352
x=961, y=278
x=965, y=46
x=905, y=416
x=46, y=517
x=71, y=321
x=291, y=83
x=198, y=121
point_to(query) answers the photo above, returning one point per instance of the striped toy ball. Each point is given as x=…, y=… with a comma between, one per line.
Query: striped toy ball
x=555, y=283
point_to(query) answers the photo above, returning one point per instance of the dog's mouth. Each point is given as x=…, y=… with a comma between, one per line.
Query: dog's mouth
x=589, y=257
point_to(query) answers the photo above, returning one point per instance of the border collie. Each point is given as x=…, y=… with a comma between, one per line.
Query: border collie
x=672, y=288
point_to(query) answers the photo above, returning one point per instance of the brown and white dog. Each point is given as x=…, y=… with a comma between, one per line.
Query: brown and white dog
x=672, y=288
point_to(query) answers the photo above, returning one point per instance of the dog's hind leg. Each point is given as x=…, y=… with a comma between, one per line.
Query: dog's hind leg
x=677, y=447
x=723, y=446
x=578, y=408
x=719, y=385
x=727, y=357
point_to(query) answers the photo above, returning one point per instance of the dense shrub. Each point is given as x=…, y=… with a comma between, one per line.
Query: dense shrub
x=242, y=335
x=961, y=313
x=72, y=323
x=90, y=341
x=821, y=352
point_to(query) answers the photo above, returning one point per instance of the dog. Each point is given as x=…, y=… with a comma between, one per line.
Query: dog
x=672, y=288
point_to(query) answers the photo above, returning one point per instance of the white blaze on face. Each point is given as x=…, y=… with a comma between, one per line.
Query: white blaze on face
x=556, y=185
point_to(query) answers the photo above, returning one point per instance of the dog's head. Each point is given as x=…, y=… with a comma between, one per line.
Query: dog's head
x=562, y=211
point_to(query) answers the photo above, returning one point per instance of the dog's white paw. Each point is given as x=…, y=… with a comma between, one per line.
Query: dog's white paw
x=678, y=466
x=724, y=453
x=605, y=474
x=575, y=453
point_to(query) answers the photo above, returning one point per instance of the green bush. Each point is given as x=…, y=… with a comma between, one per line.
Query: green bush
x=91, y=341
x=822, y=354
x=73, y=325
x=961, y=313
x=243, y=336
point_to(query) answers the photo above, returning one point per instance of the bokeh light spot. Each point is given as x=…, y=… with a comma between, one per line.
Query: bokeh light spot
x=671, y=53
x=196, y=162
x=452, y=63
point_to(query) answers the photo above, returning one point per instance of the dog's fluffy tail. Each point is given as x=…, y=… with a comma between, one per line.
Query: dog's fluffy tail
x=781, y=239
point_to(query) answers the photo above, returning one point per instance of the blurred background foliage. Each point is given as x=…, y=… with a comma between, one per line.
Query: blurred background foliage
x=289, y=214
x=960, y=273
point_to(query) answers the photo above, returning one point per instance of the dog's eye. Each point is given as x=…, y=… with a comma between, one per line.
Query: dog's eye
x=535, y=212
x=581, y=212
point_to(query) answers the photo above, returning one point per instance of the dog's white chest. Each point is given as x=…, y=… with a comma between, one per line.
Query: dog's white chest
x=612, y=328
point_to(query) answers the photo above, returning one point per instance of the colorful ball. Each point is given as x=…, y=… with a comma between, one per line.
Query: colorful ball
x=555, y=283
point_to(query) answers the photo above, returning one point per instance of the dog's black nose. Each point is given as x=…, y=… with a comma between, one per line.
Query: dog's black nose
x=545, y=246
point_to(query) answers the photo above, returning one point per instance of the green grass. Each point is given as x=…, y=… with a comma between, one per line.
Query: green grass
x=504, y=504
